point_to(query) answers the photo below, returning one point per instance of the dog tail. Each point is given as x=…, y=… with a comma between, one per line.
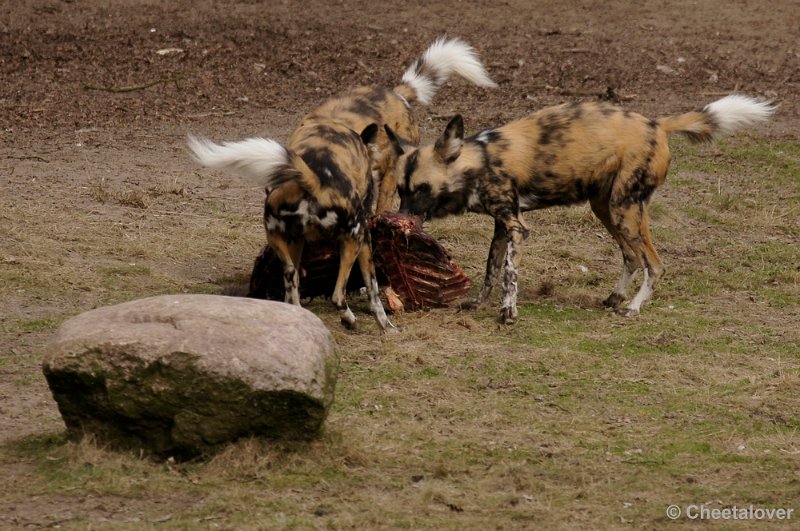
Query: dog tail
x=435, y=66
x=719, y=118
x=263, y=161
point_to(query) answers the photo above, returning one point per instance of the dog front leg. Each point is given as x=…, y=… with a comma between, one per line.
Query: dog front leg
x=508, y=312
x=494, y=265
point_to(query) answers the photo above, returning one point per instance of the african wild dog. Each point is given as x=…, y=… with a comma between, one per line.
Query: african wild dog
x=561, y=155
x=420, y=82
x=320, y=186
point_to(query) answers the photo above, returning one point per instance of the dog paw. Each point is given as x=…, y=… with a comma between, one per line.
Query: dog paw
x=626, y=312
x=468, y=305
x=391, y=330
x=613, y=300
x=350, y=325
x=508, y=316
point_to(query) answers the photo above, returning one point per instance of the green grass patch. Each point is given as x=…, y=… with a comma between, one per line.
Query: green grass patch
x=572, y=417
x=126, y=270
x=38, y=325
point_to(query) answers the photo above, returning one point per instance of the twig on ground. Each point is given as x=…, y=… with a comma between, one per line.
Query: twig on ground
x=133, y=88
x=211, y=113
x=602, y=94
x=28, y=157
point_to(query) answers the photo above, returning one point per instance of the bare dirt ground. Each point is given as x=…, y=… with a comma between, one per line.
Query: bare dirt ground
x=100, y=204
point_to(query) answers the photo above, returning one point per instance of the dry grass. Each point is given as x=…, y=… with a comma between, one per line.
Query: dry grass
x=571, y=418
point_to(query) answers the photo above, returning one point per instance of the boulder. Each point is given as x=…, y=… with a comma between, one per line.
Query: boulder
x=181, y=374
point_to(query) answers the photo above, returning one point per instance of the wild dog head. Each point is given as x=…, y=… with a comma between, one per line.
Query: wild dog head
x=435, y=180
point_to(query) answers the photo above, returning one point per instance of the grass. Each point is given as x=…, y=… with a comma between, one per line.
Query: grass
x=37, y=325
x=571, y=418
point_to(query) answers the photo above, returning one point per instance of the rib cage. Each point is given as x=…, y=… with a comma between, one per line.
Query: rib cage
x=407, y=259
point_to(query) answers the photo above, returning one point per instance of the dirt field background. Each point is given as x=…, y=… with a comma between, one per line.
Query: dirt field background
x=99, y=204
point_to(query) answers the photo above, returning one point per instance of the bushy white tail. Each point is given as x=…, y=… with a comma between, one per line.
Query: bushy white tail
x=263, y=161
x=442, y=59
x=719, y=118
x=736, y=111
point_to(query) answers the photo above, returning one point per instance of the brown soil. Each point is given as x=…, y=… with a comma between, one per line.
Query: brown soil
x=96, y=154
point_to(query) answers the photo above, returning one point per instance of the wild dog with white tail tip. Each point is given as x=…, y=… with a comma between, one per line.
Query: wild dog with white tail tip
x=420, y=83
x=561, y=155
x=320, y=185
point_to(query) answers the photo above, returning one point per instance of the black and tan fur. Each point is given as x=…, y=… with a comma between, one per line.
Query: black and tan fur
x=562, y=155
x=320, y=186
x=363, y=106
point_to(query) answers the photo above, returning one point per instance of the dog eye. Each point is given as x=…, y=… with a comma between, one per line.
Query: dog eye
x=422, y=188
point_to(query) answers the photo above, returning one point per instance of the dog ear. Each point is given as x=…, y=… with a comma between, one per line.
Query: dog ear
x=398, y=148
x=448, y=146
x=369, y=134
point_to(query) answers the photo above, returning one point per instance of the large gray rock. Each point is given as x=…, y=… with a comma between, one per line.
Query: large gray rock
x=181, y=374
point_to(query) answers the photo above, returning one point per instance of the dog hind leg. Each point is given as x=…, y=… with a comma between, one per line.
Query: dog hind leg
x=620, y=293
x=348, y=252
x=289, y=254
x=630, y=265
x=653, y=270
x=634, y=228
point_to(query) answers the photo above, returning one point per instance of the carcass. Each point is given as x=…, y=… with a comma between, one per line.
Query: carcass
x=416, y=271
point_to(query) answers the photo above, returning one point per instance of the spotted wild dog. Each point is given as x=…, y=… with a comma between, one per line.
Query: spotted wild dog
x=374, y=104
x=320, y=185
x=561, y=155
